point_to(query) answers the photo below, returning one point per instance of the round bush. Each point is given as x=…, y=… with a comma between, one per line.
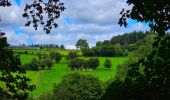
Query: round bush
x=93, y=63
x=78, y=87
x=76, y=63
x=72, y=55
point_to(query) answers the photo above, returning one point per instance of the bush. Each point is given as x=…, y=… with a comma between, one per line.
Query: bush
x=78, y=87
x=42, y=63
x=72, y=55
x=49, y=63
x=93, y=63
x=52, y=55
x=27, y=66
x=107, y=63
x=88, y=52
x=34, y=64
x=57, y=57
x=76, y=63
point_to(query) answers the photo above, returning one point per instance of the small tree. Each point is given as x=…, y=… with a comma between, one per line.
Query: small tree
x=72, y=55
x=107, y=63
x=93, y=63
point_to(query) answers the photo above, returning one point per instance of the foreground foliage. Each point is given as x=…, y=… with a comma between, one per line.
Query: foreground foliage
x=78, y=87
x=16, y=84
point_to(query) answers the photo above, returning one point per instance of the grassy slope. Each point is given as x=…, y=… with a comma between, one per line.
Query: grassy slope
x=45, y=79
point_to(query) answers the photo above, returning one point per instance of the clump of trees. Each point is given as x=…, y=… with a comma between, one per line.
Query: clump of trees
x=43, y=61
x=107, y=63
x=79, y=63
x=78, y=87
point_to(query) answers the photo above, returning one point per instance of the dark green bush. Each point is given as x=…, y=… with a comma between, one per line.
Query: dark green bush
x=76, y=63
x=72, y=55
x=34, y=64
x=88, y=52
x=107, y=63
x=93, y=63
x=48, y=63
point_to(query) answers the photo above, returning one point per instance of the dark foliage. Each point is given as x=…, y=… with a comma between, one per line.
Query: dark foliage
x=88, y=52
x=78, y=87
x=155, y=12
x=55, y=56
x=152, y=82
x=16, y=84
x=76, y=63
x=35, y=14
x=49, y=63
x=107, y=63
x=5, y=3
x=34, y=65
x=72, y=55
x=93, y=63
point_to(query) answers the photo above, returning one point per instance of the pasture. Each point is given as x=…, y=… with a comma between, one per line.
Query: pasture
x=45, y=79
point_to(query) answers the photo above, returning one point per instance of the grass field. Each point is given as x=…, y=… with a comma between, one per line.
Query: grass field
x=45, y=79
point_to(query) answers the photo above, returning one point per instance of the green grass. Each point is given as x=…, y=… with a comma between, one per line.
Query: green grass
x=45, y=79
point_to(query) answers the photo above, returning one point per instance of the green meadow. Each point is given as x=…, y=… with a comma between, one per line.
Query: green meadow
x=45, y=79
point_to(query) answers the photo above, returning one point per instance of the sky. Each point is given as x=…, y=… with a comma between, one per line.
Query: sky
x=93, y=20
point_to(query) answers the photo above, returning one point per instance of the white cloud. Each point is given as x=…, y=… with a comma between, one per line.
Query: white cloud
x=95, y=20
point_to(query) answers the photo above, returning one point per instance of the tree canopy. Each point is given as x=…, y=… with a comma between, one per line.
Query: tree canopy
x=82, y=44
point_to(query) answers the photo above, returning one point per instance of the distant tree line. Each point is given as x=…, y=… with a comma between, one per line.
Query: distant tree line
x=46, y=46
x=119, y=45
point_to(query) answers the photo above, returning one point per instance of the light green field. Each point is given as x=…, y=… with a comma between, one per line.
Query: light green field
x=44, y=51
x=45, y=79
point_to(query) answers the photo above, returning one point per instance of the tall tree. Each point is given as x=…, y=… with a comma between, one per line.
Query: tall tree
x=81, y=44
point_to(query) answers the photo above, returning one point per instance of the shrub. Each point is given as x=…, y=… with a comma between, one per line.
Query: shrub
x=57, y=57
x=48, y=62
x=107, y=63
x=25, y=52
x=78, y=87
x=52, y=55
x=39, y=55
x=93, y=63
x=72, y=55
x=42, y=63
x=34, y=64
x=76, y=63
x=27, y=66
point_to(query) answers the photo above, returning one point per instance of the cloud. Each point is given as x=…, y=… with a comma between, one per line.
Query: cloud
x=94, y=20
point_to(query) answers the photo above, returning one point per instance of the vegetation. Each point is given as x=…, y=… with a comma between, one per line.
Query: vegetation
x=15, y=84
x=147, y=78
x=72, y=55
x=82, y=44
x=107, y=63
x=76, y=63
x=79, y=87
